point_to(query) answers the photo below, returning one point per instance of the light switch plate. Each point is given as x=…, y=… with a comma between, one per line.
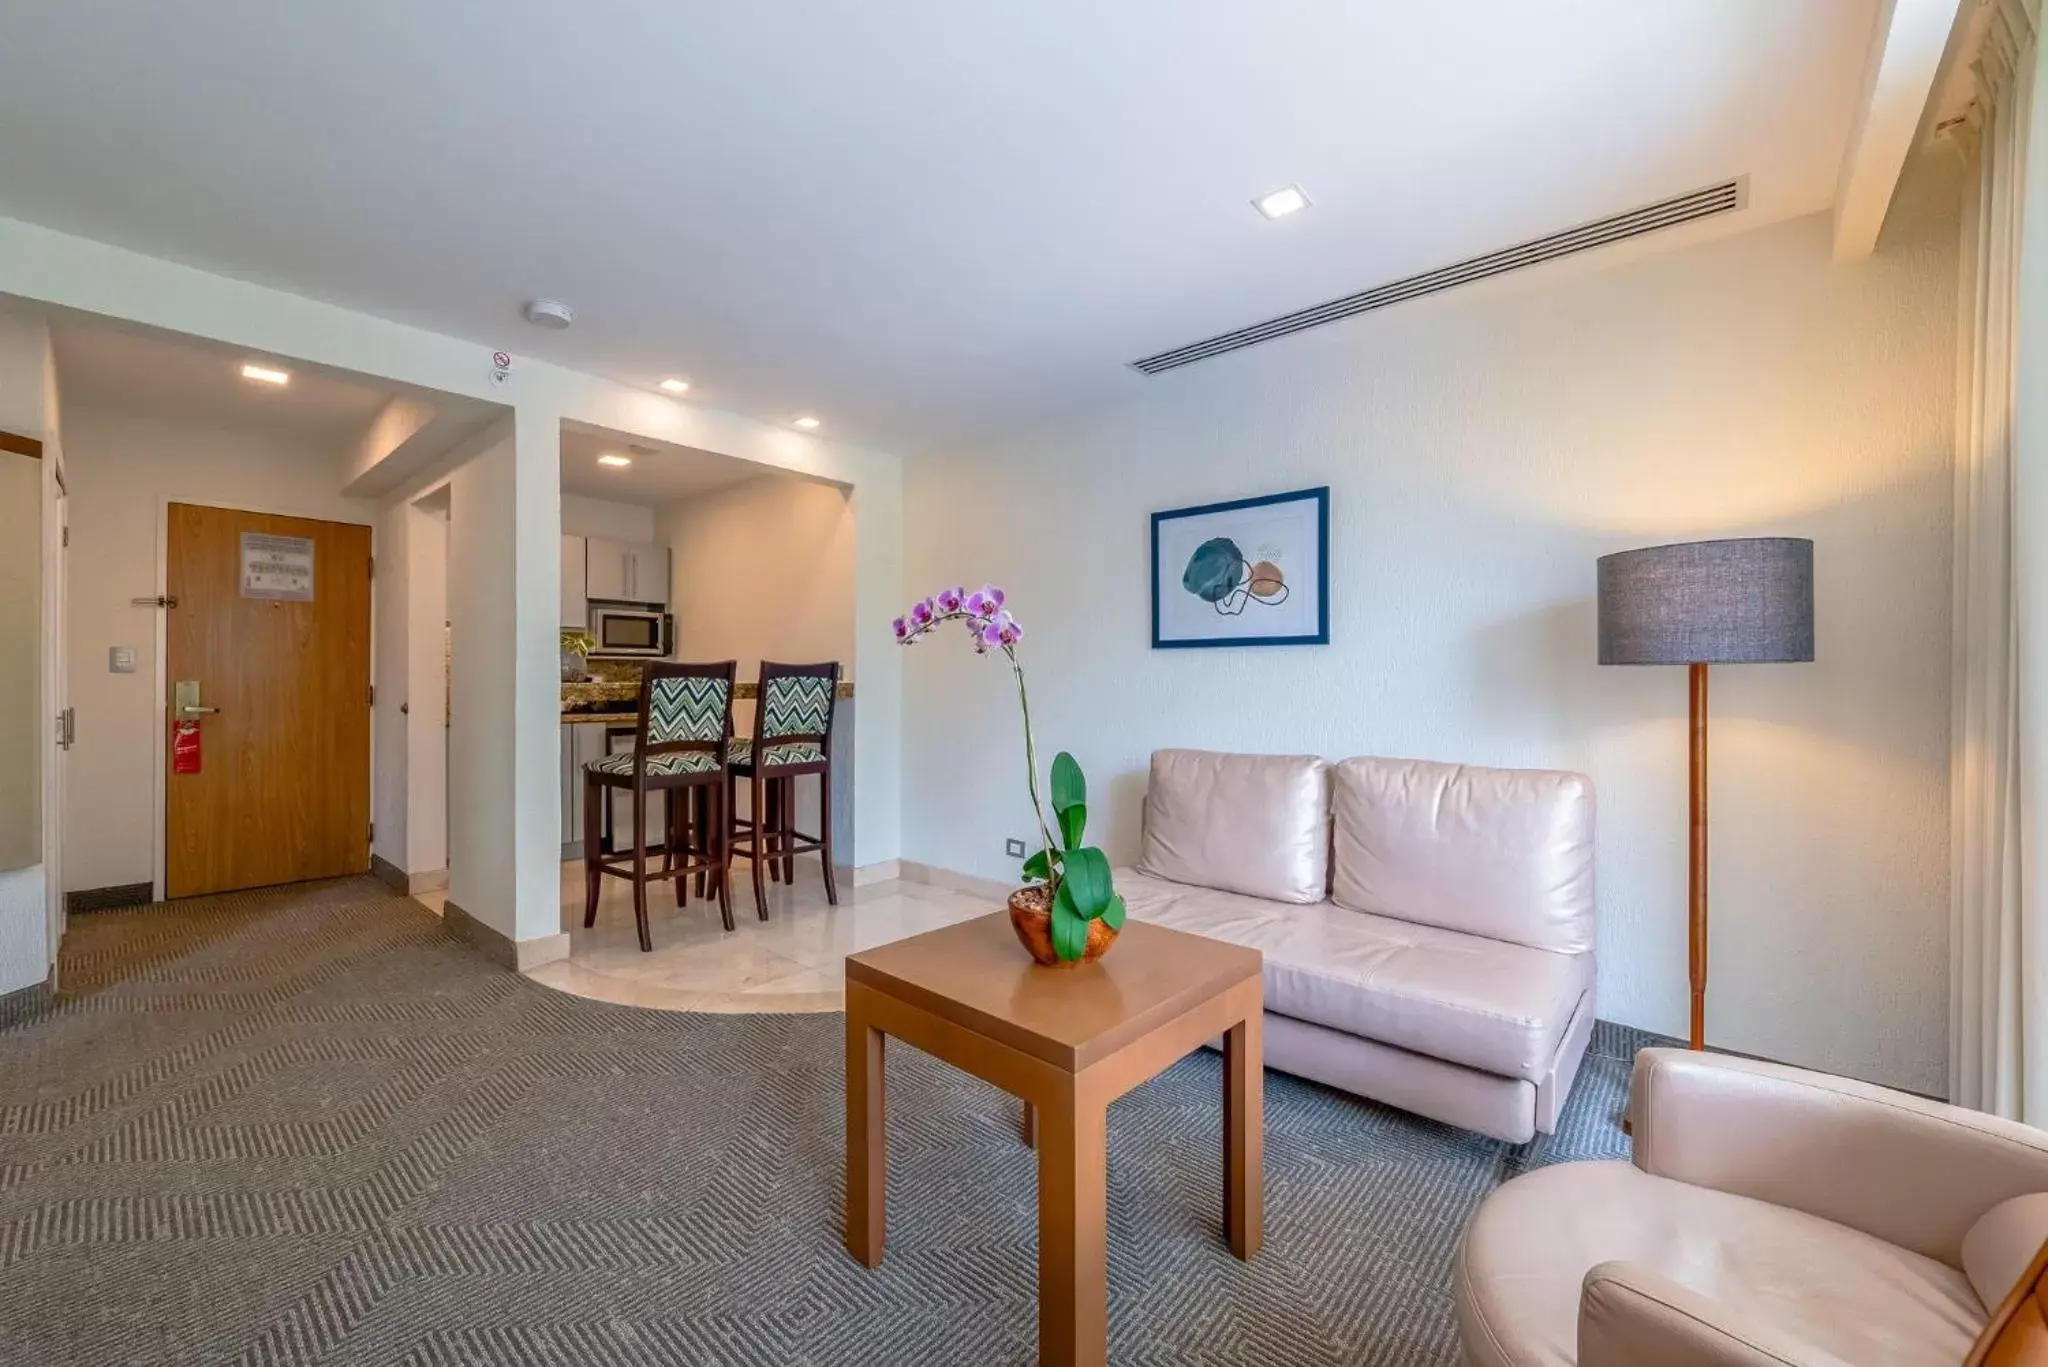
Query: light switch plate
x=120, y=659
x=1014, y=848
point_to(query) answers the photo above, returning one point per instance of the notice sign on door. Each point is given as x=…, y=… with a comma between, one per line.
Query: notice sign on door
x=279, y=568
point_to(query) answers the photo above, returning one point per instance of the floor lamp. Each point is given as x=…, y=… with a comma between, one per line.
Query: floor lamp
x=1738, y=601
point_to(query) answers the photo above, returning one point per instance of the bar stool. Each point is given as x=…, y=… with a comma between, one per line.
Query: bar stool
x=679, y=748
x=792, y=737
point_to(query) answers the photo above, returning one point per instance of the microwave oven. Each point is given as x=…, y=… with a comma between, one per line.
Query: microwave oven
x=632, y=631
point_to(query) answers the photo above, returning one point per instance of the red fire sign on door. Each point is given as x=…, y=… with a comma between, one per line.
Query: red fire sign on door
x=185, y=747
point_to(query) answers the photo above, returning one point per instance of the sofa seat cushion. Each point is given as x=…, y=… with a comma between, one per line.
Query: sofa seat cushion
x=1826, y=1285
x=1486, y=1004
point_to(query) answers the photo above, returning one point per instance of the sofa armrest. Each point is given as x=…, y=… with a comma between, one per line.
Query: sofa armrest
x=1912, y=1172
x=1629, y=1316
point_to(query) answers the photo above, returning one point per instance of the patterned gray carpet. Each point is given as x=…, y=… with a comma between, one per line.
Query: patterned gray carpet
x=307, y=1126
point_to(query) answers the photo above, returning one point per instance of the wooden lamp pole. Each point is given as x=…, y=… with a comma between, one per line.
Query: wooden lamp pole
x=1696, y=864
x=1743, y=600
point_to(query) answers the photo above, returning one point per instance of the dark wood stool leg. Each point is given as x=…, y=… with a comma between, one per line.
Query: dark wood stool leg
x=825, y=835
x=721, y=847
x=788, y=812
x=640, y=796
x=680, y=802
x=593, y=846
x=759, y=831
x=775, y=829
x=702, y=802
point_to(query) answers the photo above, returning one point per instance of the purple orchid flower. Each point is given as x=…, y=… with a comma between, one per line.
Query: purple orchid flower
x=950, y=599
x=921, y=614
x=980, y=604
x=902, y=629
x=1009, y=629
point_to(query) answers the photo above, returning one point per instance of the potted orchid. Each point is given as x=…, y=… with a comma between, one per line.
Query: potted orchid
x=1067, y=909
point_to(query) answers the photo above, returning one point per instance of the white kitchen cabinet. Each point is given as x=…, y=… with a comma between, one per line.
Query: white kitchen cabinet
x=647, y=573
x=604, y=570
x=582, y=742
x=575, y=596
x=626, y=572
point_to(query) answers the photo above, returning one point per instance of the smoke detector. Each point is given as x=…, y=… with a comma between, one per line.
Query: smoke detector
x=550, y=313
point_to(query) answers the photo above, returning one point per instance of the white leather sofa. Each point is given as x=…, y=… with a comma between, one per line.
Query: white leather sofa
x=1771, y=1217
x=1427, y=928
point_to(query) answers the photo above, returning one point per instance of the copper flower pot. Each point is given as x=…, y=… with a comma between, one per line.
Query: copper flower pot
x=1031, y=918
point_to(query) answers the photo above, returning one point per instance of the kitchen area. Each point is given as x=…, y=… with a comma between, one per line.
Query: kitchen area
x=674, y=554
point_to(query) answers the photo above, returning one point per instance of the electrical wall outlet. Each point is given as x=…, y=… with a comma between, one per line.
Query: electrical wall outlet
x=1014, y=848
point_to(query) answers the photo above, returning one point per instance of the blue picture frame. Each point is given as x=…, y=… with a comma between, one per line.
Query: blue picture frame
x=1232, y=577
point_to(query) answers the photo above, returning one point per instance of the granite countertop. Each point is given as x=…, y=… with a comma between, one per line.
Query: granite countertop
x=612, y=699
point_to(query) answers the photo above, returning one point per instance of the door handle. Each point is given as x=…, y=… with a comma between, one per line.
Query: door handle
x=185, y=701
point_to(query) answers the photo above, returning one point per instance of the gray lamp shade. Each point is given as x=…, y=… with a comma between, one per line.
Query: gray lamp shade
x=1741, y=601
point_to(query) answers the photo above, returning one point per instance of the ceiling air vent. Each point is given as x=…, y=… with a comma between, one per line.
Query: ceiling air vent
x=1724, y=198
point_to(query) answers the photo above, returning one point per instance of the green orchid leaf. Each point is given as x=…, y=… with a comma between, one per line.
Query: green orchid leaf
x=1073, y=820
x=1069, y=926
x=1069, y=789
x=1113, y=914
x=1038, y=868
x=1087, y=880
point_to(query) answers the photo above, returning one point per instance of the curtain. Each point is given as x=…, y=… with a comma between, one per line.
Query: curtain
x=1998, y=1038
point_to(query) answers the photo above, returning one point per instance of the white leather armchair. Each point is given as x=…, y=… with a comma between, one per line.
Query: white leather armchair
x=1771, y=1216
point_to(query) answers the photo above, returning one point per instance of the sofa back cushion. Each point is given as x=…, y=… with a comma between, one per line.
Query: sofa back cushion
x=1255, y=824
x=1504, y=853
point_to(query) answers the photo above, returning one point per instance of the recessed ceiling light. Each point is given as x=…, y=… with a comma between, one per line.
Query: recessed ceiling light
x=266, y=374
x=1288, y=199
x=807, y=424
x=676, y=386
x=616, y=462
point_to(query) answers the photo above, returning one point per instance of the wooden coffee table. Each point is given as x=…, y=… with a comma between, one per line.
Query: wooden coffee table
x=1067, y=1042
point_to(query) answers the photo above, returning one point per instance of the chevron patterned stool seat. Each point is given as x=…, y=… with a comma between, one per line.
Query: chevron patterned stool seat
x=792, y=738
x=779, y=755
x=680, y=745
x=659, y=765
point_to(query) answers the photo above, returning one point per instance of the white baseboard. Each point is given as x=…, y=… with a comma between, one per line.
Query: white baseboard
x=546, y=949
x=913, y=872
x=866, y=875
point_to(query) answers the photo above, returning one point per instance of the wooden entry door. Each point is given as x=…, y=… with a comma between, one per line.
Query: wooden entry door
x=280, y=788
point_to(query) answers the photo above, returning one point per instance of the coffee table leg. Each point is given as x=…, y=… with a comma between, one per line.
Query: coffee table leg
x=1244, y=1104
x=1073, y=1220
x=867, y=1139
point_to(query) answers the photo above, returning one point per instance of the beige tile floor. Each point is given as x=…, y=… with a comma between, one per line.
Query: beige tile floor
x=790, y=962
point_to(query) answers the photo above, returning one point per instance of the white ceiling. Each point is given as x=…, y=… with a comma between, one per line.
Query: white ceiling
x=180, y=378
x=184, y=379
x=660, y=472
x=921, y=221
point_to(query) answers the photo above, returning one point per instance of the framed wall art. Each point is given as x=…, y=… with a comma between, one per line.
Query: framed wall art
x=1252, y=572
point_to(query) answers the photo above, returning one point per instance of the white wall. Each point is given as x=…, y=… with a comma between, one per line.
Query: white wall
x=766, y=570
x=504, y=742
x=28, y=408
x=607, y=520
x=426, y=693
x=763, y=570
x=122, y=469
x=1482, y=450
